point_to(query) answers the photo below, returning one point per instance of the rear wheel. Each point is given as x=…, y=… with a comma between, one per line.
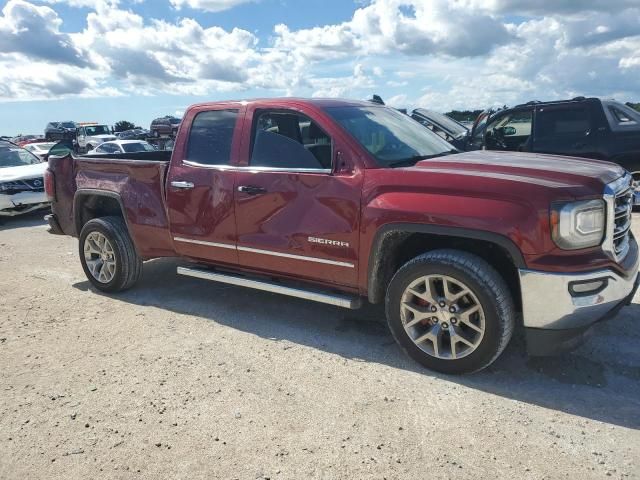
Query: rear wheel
x=450, y=311
x=107, y=254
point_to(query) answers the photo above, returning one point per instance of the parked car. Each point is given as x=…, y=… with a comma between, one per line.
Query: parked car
x=89, y=136
x=41, y=150
x=23, y=140
x=60, y=131
x=122, y=146
x=367, y=204
x=165, y=126
x=135, y=134
x=451, y=130
x=21, y=181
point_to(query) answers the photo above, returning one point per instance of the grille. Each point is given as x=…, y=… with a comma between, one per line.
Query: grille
x=622, y=210
x=30, y=185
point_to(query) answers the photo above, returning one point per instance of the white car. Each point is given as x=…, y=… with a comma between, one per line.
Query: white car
x=21, y=181
x=39, y=149
x=122, y=146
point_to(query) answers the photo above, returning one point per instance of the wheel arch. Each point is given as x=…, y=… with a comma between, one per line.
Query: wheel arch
x=395, y=244
x=91, y=203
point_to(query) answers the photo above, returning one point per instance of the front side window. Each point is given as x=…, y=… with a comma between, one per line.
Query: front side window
x=290, y=140
x=391, y=137
x=211, y=136
x=509, y=131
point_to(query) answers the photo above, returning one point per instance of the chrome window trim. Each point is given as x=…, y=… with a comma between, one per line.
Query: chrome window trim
x=249, y=168
x=265, y=252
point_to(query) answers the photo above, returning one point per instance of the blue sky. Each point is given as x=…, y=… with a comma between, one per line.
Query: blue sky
x=109, y=60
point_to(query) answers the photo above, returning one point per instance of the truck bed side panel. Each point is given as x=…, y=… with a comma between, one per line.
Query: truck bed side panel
x=140, y=187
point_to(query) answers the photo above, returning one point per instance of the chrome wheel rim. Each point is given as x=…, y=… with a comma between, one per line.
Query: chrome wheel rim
x=442, y=317
x=99, y=257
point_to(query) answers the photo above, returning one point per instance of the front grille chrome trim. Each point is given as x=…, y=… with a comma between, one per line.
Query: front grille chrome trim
x=618, y=197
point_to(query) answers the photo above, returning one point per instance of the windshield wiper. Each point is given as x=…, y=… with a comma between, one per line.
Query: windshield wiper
x=410, y=161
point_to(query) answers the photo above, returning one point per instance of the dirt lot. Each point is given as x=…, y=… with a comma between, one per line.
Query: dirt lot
x=180, y=378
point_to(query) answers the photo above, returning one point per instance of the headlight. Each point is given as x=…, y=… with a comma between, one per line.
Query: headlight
x=576, y=225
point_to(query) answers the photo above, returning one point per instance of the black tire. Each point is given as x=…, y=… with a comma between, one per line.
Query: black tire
x=486, y=284
x=128, y=262
x=155, y=133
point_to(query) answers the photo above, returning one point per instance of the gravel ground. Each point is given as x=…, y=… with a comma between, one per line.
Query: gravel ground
x=181, y=378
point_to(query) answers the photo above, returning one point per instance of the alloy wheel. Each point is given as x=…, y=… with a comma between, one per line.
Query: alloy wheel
x=442, y=316
x=100, y=257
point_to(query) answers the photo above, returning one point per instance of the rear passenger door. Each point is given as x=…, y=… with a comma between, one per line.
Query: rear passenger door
x=565, y=130
x=297, y=214
x=200, y=186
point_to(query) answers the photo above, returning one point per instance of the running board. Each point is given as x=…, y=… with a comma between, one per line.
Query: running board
x=338, y=300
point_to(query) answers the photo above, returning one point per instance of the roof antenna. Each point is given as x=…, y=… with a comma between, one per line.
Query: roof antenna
x=377, y=99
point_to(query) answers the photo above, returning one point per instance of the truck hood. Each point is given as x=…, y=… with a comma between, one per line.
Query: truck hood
x=551, y=171
x=102, y=138
x=10, y=174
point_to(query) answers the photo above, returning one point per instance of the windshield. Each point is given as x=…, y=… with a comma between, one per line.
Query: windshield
x=137, y=147
x=456, y=129
x=11, y=156
x=390, y=136
x=68, y=125
x=97, y=130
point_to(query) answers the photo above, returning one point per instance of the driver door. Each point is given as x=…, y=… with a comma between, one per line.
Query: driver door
x=296, y=213
x=510, y=131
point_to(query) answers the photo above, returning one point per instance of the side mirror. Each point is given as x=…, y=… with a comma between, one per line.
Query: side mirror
x=506, y=131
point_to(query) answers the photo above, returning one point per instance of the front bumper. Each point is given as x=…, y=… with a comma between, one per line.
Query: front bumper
x=21, y=203
x=557, y=312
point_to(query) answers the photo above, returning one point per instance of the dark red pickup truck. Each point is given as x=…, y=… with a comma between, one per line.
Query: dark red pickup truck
x=337, y=201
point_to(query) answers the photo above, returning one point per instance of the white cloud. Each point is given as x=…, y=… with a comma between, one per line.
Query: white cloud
x=208, y=5
x=440, y=53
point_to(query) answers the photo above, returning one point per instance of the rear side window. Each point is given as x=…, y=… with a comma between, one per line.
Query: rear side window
x=290, y=140
x=211, y=136
x=560, y=122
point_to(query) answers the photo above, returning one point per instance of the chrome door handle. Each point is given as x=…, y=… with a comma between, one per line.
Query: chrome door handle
x=182, y=185
x=251, y=190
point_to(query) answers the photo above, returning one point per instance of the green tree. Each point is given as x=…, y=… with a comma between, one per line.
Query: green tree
x=123, y=125
x=634, y=105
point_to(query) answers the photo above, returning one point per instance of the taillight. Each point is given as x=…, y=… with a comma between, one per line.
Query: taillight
x=50, y=185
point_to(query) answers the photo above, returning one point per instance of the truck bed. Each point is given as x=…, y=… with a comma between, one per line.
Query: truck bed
x=135, y=180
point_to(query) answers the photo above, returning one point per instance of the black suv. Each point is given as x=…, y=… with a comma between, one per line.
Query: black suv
x=60, y=131
x=165, y=126
x=581, y=127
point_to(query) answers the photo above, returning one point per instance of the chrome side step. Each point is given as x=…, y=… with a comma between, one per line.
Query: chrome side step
x=338, y=300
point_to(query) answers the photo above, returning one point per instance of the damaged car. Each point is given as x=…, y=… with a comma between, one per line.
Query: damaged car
x=21, y=181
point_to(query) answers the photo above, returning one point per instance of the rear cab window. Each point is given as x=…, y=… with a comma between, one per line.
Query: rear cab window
x=211, y=137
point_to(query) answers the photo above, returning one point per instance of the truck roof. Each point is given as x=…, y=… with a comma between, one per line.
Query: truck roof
x=318, y=102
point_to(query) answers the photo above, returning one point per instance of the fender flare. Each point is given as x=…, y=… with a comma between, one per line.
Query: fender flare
x=373, y=277
x=92, y=192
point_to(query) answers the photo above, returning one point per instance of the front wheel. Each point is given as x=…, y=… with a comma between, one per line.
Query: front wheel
x=107, y=254
x=450, y=311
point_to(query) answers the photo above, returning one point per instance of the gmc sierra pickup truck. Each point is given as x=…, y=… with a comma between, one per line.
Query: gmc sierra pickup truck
x=337, y=201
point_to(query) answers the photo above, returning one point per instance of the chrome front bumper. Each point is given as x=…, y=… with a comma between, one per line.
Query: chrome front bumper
x=557, y=312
